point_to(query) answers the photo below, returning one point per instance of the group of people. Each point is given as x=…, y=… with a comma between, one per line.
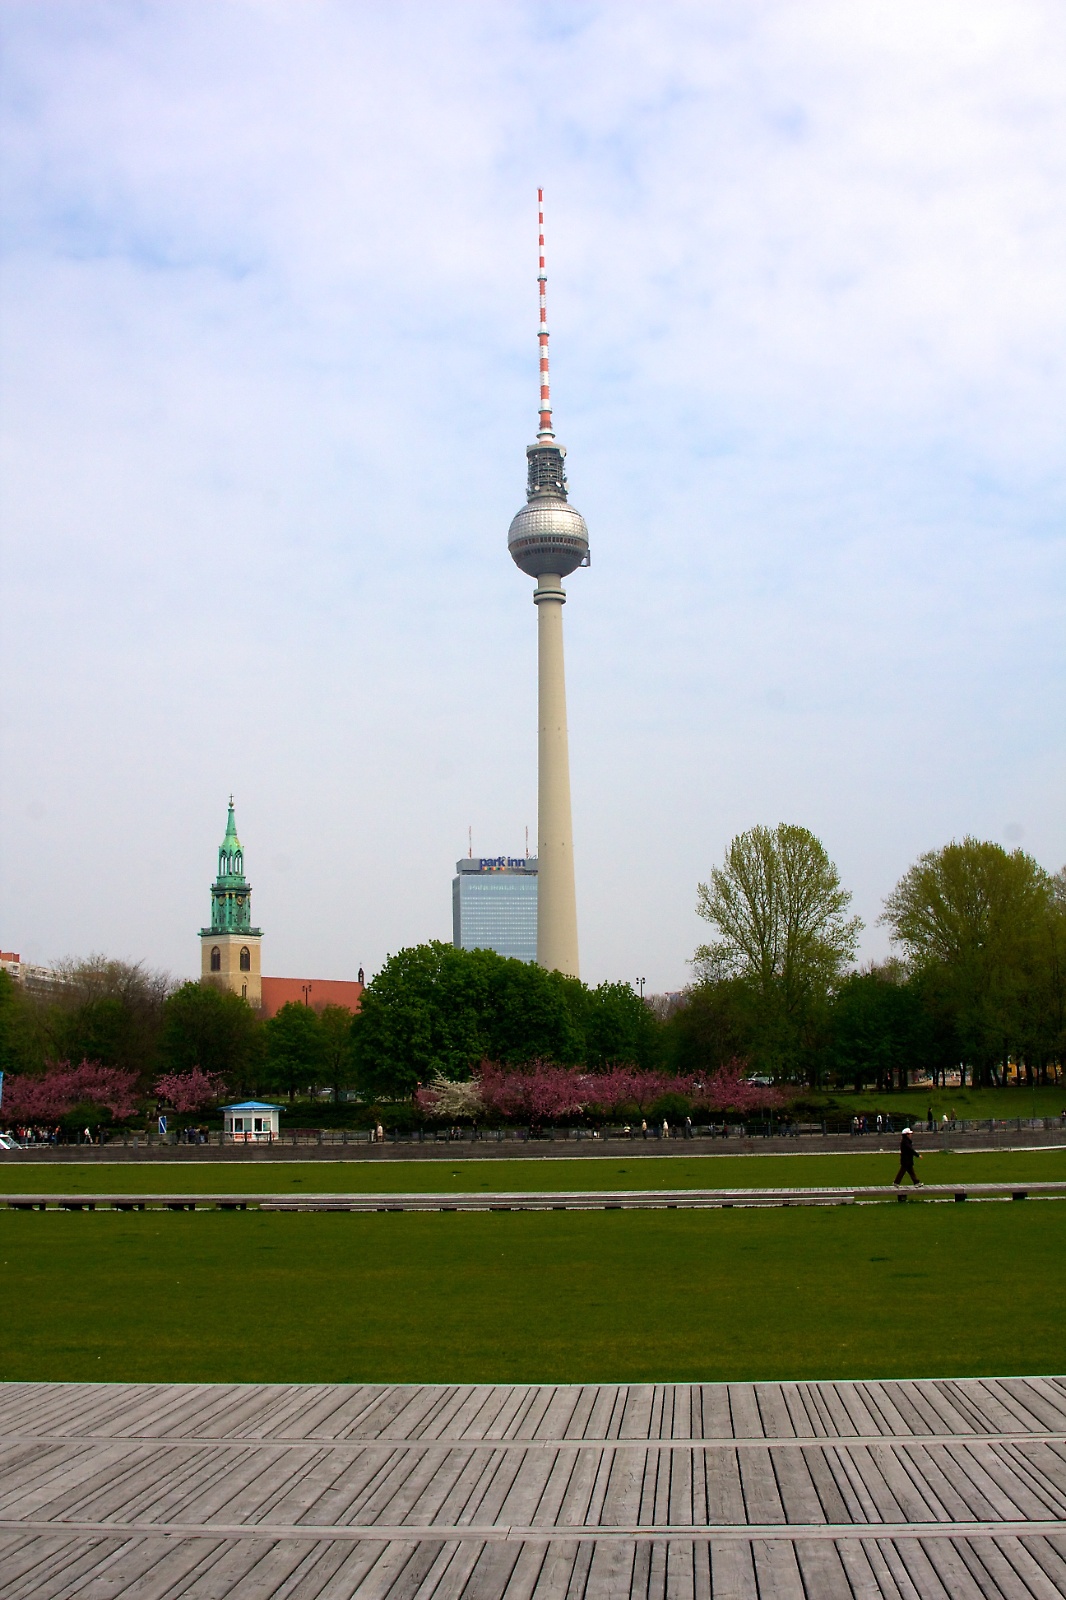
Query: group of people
x=36, y=1134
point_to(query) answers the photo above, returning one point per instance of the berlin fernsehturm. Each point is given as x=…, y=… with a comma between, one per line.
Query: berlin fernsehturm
x=548, y=540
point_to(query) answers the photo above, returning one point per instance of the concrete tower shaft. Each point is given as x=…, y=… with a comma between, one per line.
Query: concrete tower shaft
x=548, y=540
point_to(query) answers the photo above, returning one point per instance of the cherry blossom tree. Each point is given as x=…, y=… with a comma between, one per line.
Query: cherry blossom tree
x=190, y=1091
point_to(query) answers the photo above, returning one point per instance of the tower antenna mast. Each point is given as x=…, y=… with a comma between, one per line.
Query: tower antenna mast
x=545, y=431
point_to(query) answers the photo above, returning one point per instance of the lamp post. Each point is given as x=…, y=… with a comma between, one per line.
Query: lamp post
x=306, y=987
x=640, y=981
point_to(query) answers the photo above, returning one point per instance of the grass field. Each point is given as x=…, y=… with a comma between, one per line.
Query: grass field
x=514, y=1174
x=889, y=1291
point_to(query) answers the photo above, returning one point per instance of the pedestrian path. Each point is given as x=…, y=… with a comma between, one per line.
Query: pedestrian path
x=536, y=1200
x=931, y=1490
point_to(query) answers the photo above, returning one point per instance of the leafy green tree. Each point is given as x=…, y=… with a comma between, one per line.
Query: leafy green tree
x=20, y=1050
x=715, y=1024
x=434, y=1009
x=783, y=931
x=338, y=1065
x=618, y=1028
x=209, y=1027
x=970, y=917
x=295, y=1049
x=877, y=1027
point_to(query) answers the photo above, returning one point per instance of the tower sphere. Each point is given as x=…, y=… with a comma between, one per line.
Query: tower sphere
x=549, y=536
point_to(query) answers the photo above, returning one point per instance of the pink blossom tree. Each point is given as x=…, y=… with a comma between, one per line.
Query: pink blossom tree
x=190, y=1091
x=61, y=1087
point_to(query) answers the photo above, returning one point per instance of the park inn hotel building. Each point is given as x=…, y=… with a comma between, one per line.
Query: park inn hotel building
x=494, y=905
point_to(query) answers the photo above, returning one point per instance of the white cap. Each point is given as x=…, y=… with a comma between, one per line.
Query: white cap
x=906, y=1130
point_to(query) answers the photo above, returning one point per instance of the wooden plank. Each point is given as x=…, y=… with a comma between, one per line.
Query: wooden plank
x=321, y=1563
x=732, y=1571
x=1006, y=1584
x=656, y=1577
x=46, y=1564
x=823, y=1571
x=154, y=1568
x=799, y=1494
x=1048, y=1559
x=724, y=1490
x=636, y=1420
x=773, y=1411
x=611, y=1571
x=623, y=1501
x=677, y=1466
x=517, y=1487
x=858, y=1503
x=1034, y=1399
x=865, y=1585
x=762, y=1501
x=836, y=1495
x=908, y=1556
x=777, y=1570
x=715, y=1418
x=680, y=1570
x=491, y=1572
x=744, y=1409
x=557, y=1571
x=954, y=1490
x=253, y=1568
x=951, y=1569
x=1004, y=1492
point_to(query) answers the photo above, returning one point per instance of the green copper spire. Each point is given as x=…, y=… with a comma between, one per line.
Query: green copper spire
x=231, y=893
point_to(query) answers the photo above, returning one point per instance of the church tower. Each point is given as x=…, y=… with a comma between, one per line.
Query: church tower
x=230, y=954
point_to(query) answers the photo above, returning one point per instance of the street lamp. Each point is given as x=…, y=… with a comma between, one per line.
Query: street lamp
x=641, y=982
x=306, y=987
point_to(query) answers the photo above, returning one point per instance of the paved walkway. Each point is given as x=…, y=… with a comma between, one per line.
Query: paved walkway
x=945, y=1490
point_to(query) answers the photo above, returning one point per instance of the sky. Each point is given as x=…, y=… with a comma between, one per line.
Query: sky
x=268, y=374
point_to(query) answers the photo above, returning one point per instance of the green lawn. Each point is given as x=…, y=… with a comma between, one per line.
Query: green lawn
x=841, y=1292
x=512, y=1173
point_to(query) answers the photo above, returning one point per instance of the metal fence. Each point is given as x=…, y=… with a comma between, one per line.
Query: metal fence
x=890, y=1127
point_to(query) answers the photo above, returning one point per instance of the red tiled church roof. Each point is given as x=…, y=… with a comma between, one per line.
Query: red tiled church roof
x=277, y=992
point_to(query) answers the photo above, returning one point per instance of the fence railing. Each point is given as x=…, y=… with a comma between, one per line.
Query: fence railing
x=830, y=1128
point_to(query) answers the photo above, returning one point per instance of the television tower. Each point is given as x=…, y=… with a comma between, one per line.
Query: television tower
x=548, y=539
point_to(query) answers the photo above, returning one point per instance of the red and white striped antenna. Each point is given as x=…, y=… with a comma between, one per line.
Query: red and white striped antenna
x=545, y=431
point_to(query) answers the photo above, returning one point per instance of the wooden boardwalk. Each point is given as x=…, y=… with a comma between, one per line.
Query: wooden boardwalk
x=933, y=1490
x=533, y=1200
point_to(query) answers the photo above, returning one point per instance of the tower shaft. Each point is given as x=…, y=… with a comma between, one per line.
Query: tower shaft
x=556, y=896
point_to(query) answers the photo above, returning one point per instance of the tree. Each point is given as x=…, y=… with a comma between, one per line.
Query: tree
x=295, y=1048
x=780, y=912
x=617, y=1026
x=211, y=1028
x=338, y=1067
x=435, y=1009
x=96, y=1009
x=970, y=918
x=876, y=1027
x=190, y=1091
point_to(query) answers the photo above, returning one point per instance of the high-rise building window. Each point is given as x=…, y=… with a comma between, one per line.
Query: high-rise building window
x=246, y=959
x=216, y=959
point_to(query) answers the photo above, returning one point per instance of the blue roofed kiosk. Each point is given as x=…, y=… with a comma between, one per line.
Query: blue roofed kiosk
x=251, y=1122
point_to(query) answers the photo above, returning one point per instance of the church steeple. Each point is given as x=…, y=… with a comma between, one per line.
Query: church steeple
x=230, y=854
x=231, y=893
x=230, y=946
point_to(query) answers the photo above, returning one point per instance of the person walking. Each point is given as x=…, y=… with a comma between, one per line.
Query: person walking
x=907, y=1157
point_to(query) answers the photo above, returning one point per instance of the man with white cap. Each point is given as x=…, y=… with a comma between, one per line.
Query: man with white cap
x=907, y=1155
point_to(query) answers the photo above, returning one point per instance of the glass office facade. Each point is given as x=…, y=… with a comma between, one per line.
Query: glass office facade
x=494, y=906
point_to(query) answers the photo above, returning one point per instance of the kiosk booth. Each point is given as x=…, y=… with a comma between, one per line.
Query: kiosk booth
x=251, y=1122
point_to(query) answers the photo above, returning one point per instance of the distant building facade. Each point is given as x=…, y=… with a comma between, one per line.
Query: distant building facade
x=494, y=905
